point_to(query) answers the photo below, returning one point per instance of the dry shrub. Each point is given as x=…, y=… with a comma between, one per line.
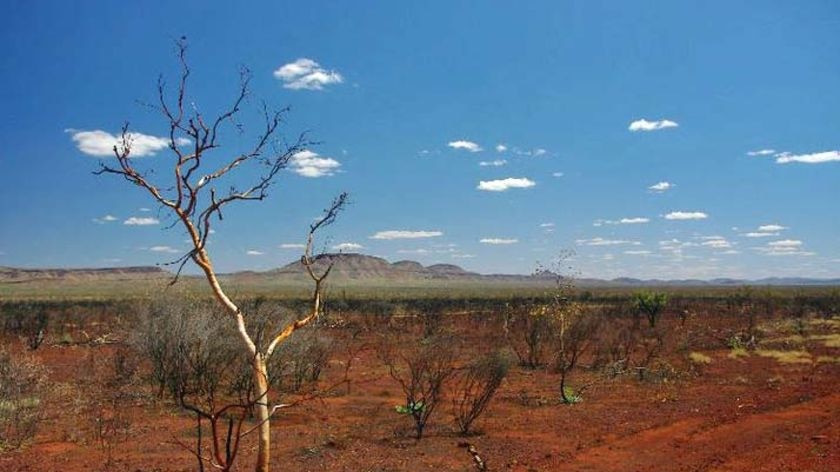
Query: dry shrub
x=529, y=330
x=475, y=387
x=22, y=380
x=421, y=367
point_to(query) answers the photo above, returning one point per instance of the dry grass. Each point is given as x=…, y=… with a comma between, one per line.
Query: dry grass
x=786, y=357
x=699, y=358
x=829, y=340
x=738, y=352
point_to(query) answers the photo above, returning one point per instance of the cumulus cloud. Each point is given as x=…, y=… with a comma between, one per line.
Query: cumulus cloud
x=717, y=243
x=501, y=147
x=505, y=184
x=413, y=251
x=496, y=163
x=637, y=253
x=253, y=252
x=309, y=164
x=463, y=256
x=815, y=158
x=661, y=187
x=633, y=221
x=546, y=225
x=101, y=143
x=789, y=243
x=645, y=125
x=403, y=234
x=536, y=152
x=498, y=241
x=605, y=242
x=760, y=234
x=347, y=247
x=141, y=221
x=292, y=246
x=166, y=249
x=465, y=145
x=784, y=247
x=686, y=215
x=105, y=219
x=761, y=152
x=306, y=74
x=773, y=227
x=624, y=221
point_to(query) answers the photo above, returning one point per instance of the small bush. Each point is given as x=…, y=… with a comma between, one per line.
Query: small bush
x=699, y=358
x=21, y=382
x=476, y=386
x=421, y=367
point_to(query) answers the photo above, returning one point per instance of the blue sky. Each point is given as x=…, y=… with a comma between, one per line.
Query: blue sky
x=654, y=138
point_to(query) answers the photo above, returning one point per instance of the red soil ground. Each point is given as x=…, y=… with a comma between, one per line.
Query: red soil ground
x=733, y=414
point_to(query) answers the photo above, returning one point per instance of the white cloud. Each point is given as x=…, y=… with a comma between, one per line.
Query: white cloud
x=717, y=243
x=496, y=163
x=465, y=145
x=144, y=209
x=536, y=152
x=166, y=249
x=815, y=158
x=292, y=246
x=141, y=221
x=505, y=184
x=637, y=253
x=101, y=143
x=252, y=252
x=557, y=174
x=605, y=242
x=645, y=125
x=633, y=221
x=309, y=164
x=347, y=247
x=306, y=74
x=623, y=221
x=760, y=234
x=762, y=152
x=785, y=247
x=546, y=225
x=403, y=234
x=789, y=243
x=661, y=187
x=501, y=148
x=413, y=251
x=498, y=241
x=686, y=215
x=463, y=256
x=771, y=228
x=105, y=219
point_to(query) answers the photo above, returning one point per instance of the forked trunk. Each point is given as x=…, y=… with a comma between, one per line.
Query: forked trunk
x=264, y=431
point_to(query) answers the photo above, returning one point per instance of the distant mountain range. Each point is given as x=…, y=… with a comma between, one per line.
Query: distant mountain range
x=370, y=270
x=18, y=275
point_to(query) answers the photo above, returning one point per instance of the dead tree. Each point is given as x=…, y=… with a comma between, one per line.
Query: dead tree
x=192, y=198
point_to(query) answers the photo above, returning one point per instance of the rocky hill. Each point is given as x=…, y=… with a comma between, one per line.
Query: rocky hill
x=362, y=267
x=18, y=275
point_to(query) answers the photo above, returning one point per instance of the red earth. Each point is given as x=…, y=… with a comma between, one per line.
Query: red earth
x=731, y=414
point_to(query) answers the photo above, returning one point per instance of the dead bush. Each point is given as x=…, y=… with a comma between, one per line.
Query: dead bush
x=421, y=367
x=529, y=332
x=475, y=387
x=22, y=380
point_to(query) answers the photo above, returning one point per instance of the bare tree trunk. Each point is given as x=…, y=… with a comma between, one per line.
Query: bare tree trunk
x=263, y=414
